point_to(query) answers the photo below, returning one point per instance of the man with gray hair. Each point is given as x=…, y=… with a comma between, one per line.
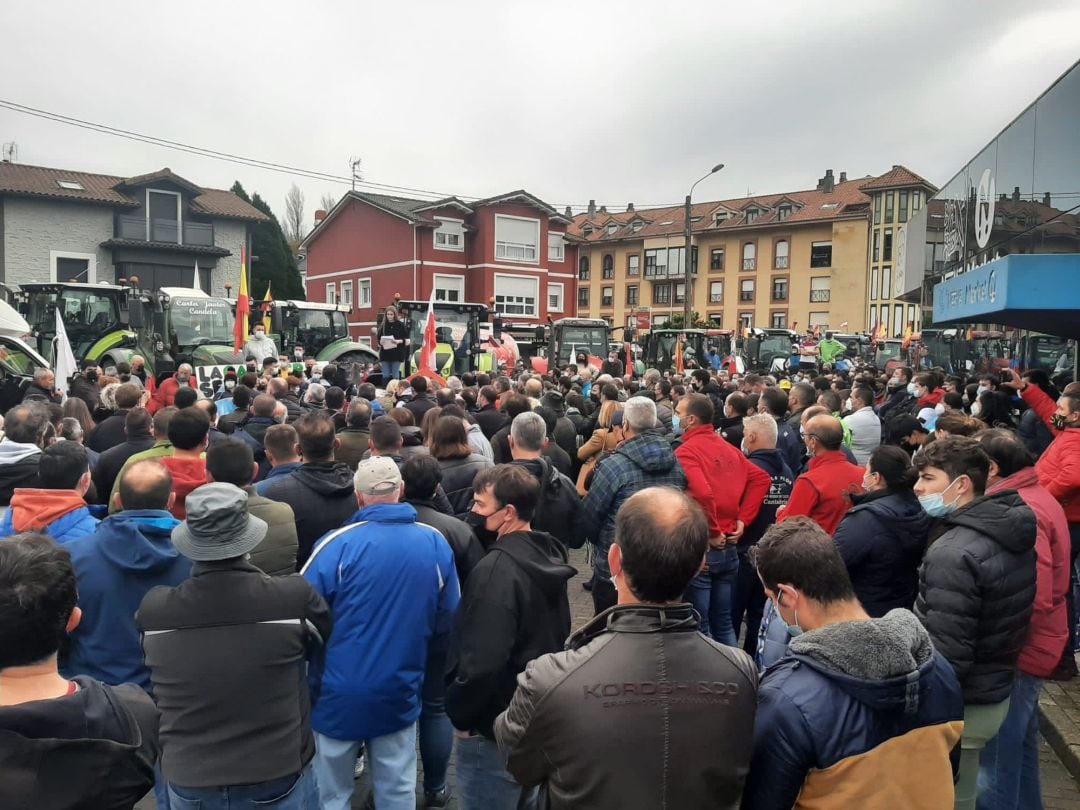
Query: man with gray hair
x=383, y=563
x=642, y=459
x=42, y=388
x=559, y=508
x=20, y=449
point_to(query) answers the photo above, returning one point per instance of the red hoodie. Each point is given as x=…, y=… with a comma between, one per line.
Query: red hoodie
x=721, y=479
x=1059, y=466
x=1049, y=628
x=932, y=398
x=187, y=473
x=823, y=493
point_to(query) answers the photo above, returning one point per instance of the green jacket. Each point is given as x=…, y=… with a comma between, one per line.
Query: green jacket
x=831, y=349
x=162, y=449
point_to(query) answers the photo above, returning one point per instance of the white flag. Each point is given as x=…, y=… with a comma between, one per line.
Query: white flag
x=198, y=284
x=63, y=360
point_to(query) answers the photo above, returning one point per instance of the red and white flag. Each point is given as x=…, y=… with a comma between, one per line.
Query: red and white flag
x=427, y=350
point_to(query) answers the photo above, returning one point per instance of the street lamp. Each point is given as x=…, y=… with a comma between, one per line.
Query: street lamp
x=688, y=297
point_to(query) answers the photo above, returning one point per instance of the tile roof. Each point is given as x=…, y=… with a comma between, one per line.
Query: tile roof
x=897, y=176
x=103, y=189
x=845, y=201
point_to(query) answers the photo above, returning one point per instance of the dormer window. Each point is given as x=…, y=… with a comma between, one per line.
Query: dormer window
x=751, y=215
x=783, y=212
x=587, y=230
x=720, y=217
x=636, y=225
x=612, y=227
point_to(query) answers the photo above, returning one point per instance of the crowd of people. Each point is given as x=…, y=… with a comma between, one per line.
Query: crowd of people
x=826, y=589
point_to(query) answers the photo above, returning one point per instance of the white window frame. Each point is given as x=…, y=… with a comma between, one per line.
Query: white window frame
x=343, y=298
x=70, y=185
x=458, y=231
x=716, y=297
x=536, y=298
x=535, y=246
x=179, y=212
x=91, y=264
x=331, y=292
x=746, y=320
x=556, y=252
x=557, y=290
x=363, y=293
x=456, y=283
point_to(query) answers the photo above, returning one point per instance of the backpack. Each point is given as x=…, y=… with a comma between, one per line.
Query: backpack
x=559, y=507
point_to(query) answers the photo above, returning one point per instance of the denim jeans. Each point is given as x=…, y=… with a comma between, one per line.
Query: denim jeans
x=482, y=779
x=981, y=724
x=391, y=369
x=1009, y=765
x=747, y=601
x=296, y=792
x=436, y=731
x=161, y=789
x=710, y=594
x=392, y=758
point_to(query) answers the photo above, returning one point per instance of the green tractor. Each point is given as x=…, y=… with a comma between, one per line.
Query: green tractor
x=459, y=344
x=95, y=318
x=659, y=348
x=301, y=328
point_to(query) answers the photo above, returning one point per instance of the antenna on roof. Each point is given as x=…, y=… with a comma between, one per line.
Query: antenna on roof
x=10, y=152
x=354, y=170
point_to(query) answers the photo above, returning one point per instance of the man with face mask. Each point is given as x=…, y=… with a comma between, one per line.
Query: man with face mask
x=976, y=587
x=259, y=345
x=730, y=491
x=854, y=699
x=165, y=395
x=514, y=610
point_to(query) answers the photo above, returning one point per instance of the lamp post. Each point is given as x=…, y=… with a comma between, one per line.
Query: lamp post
x=688, y=296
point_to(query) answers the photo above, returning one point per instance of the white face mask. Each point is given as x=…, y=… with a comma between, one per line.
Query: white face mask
x=848, y=405
x=230, y=385
x=260, y=335
x=976, y=409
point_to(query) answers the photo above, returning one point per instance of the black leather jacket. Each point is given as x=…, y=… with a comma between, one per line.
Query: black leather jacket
x=640, y=711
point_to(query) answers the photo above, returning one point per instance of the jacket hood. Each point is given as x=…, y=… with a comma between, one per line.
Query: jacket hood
x=411, y=436
x=541, y=556
x=901, y=512
x=1002, y=516
x=90, y=729
x=325, y=479
x=12, y=452
x=882, y=663
x=34, y=509
x=139, y=540
x=1027, y=477
x=187, y=473
x=649, y=451
x=771, y=461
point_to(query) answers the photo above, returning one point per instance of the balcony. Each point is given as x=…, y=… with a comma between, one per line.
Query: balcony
x=746, y=296
x=749, y=264
x=779, y=295
x=716, y=298
x=820, y=296
x=782, y=262
x=607, y=301
x=196, y=234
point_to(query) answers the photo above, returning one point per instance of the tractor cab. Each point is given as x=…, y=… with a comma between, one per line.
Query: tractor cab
x=769, y=350
x=92, y=314
x=457, y=334
x=661, y=349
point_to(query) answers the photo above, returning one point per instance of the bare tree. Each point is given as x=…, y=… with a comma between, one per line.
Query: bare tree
x=327, y=202
x=294, y=214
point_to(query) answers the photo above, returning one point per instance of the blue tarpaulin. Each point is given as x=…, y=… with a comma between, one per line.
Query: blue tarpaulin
x=1036, y=291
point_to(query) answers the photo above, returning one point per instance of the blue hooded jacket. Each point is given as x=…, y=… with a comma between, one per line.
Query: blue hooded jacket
x=391, y=586
x=130, y=553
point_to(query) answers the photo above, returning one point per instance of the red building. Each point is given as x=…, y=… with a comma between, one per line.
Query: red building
x=510, y=252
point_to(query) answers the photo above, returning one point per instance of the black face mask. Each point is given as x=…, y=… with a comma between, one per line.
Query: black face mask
x=478, y=524
x=92, y=376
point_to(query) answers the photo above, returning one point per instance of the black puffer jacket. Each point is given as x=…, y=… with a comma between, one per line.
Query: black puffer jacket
x=882, y=540
x=458, y=475
x=976, y=588
x=322, y=497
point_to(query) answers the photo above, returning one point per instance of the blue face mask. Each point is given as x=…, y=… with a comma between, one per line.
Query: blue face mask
x=935, y=506
x=676, y=424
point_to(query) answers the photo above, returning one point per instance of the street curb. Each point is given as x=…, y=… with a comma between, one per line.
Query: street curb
x=1060, y=722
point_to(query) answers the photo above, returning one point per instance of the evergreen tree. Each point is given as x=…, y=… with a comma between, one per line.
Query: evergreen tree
x=276, y=266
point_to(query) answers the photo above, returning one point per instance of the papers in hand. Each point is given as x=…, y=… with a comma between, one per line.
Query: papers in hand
x=388, y=342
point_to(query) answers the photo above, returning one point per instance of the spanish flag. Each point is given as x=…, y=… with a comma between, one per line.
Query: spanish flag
x=243, y=306
x=679, y=368
x=266, y=307
x=908, y=333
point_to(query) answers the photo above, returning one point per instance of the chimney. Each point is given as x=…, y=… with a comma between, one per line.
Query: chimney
x=1046, y=200
x=826, y=183
x=569, y=213
x=603, y=209
x=843, y=177
x=592, y=208
x=1016, y=193
x=320, y=215
x=629, y=208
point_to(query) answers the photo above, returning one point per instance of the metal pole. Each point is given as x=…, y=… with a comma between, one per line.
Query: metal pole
x=688, y=298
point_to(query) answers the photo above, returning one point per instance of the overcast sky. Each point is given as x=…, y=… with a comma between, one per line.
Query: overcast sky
x=618, y=102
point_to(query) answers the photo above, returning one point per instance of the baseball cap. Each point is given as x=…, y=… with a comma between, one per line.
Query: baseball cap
x=377, y=475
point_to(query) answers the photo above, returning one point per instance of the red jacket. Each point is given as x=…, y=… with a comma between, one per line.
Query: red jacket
x=932, y=398
x=187, y=474
x=1049, y=629
x=823, y=493
x=721, y=479
x=164, y=396
x=1059, y=466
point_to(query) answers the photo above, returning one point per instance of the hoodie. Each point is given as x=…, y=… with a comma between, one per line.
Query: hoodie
x=514, y=610
x=647, y=460
x=187, y=474
x=976, y=589
x=772, y=462
x=322, y=497
x=130, y=553
x=18, y=468
x=60, y=513
x=882, y=540
x=93, y=750
x=850, y=702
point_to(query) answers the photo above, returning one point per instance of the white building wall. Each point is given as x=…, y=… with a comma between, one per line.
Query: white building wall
x=34, y=231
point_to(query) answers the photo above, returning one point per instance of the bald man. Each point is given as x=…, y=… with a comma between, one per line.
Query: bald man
x=558, y=714
x=823, y=493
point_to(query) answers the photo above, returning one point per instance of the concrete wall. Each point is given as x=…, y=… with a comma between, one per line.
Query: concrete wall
x=36, y=229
